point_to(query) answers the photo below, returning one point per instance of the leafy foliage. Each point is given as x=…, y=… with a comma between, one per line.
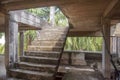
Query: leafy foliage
x=2, y=49
x=84, y=43
x=29, y=37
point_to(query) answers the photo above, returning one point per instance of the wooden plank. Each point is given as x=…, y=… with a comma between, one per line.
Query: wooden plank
x=106, y=64
x=21, y=48
x=110, y=8
x=118, y=46
x=7, y=60
x=83, y=33
x=86, y=23
x=11, y=45
x=25, y=4
x=3, y=10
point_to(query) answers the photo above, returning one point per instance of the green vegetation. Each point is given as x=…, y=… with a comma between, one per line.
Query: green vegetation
x=2, y=48
x=29, y=37
x=84, y=43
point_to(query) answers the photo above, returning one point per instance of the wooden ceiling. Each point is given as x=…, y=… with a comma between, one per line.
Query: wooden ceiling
x=84, y=15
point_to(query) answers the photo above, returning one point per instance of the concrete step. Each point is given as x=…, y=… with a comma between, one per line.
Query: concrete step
x=52, y=32
x=39, y=60
x=13, y=79
x=36, y=67
x=47, y=42
x=42, y=54
x=56, y=28
x=30, y=75
x=50, y=37
x=44, y=48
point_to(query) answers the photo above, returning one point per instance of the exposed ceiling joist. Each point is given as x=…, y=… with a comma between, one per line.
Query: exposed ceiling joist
x=3, y=10
x=110, y=8
x=25, y=4
x=73, y=33
x=76, y=32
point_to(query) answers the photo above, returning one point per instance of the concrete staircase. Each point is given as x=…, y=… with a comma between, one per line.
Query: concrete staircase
x=40, y=60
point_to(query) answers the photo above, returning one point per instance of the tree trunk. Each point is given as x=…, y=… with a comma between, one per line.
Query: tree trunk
x=52, y=15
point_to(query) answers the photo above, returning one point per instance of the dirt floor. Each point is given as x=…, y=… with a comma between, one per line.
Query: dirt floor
x=83, y=75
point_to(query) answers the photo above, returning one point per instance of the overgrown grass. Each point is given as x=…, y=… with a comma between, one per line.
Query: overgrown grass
x=2, y=49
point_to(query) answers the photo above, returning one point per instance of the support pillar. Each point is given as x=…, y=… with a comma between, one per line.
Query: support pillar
x=106, y=63
x=21, y=47
x=11, y=39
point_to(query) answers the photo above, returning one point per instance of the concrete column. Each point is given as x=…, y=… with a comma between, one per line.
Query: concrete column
x=106, y=63
x=21, y=46
x=11, y=39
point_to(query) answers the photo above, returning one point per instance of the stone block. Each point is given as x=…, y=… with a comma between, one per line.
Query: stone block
x=78, y=59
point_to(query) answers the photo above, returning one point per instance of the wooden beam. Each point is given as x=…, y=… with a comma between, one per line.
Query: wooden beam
x=110, y=8
x=82, y=33
x=3, y=10
x=7, y=1
x=25, y=4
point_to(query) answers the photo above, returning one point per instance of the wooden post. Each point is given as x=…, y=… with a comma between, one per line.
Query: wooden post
x=21, y=45
x=118, y=47
x=106, y=63
x=11, y=38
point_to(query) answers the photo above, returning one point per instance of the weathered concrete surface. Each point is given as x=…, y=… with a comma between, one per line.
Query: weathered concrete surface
x=83, y=75
x=2, y=69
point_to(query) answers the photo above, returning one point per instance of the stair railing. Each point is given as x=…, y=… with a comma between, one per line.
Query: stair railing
x=61, y=53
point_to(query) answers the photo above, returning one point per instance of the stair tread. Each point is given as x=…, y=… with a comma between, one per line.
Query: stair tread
x=48, y=41
x=61, y=67
x=55, y=28
x=59, y=40
x=38, y=65
x=45, y=46
x=14, y=79
x=53, y=31
x=32, y=72
x=39, y=57
x=50, y=52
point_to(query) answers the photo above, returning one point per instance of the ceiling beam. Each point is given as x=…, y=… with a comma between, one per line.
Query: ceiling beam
x=24, y=17
x=3, y=10
x=25, y=4
x=110, y=8
x=76, y=33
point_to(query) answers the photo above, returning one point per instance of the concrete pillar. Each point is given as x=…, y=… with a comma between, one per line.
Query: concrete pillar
x=106, y=63
x=11, y=39
x=21, y=45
